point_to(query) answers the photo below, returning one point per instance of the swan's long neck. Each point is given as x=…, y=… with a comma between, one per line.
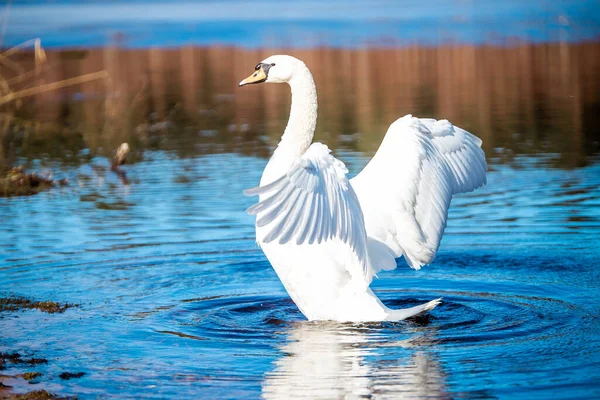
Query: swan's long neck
x=300, y=129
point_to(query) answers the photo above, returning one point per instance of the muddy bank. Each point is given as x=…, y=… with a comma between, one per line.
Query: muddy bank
x=22, y=379
x=25, y=362
x=36, y=395
x=16, y=382
x=17, y=182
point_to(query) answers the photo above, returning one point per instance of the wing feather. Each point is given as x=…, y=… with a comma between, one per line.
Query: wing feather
x=307, y=217
x=406, y=189
x=264, y=189
x=313, y=202
x=294, y=217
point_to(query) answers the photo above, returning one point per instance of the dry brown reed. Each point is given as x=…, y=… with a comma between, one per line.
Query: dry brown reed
x=520, y=97
x=20, y=75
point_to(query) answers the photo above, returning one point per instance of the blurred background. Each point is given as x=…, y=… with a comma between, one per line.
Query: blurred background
x=164, y=291
x=524, y=76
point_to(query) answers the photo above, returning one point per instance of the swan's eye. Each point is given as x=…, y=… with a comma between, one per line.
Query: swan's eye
x=257, y=66
x=272, y=64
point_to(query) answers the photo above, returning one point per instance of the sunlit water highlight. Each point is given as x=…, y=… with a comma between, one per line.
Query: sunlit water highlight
x=177, y=300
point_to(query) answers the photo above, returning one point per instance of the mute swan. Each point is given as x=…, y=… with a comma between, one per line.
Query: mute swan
x=326, y=235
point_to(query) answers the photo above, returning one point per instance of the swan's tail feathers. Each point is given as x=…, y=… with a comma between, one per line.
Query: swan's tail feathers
x=399, y=315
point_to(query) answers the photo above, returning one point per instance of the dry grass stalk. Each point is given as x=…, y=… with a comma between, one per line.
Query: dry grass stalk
x=22, y=78
x=7, y=94
x=37, y=45
x=52, y=86
x=11, y=64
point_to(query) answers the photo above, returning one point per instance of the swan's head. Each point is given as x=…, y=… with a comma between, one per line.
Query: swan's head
x=275, y=69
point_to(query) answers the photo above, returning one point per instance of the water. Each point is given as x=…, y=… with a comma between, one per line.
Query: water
x=304, y=23
x=175, y=299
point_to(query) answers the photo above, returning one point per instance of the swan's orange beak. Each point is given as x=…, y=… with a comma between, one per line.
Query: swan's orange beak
x=257, y=77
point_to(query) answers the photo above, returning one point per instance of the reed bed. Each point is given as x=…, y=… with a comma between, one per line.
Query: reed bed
x=22, y=77
x=522, y=99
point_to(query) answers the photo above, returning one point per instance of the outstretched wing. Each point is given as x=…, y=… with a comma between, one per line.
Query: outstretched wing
x=312, y=203
x=405, y=190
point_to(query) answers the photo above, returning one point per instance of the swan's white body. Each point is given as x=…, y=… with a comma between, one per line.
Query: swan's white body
x=325, y=235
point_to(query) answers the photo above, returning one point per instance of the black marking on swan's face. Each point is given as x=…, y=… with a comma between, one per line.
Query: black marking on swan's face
x=265, y=67
x=261, y=73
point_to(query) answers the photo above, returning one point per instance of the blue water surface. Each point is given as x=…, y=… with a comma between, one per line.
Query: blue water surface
x=299, y=23
x=176, y=299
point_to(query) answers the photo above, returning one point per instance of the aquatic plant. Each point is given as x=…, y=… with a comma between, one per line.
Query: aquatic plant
x=16, y=303
x=17, y=182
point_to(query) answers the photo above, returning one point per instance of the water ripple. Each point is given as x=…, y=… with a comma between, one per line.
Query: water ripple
x=176, y=299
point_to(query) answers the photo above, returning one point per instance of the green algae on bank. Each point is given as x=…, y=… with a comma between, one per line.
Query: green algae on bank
x=16, y=358
x=20, y=303
x=31, y=376
x=23, y=380
x=71, y=375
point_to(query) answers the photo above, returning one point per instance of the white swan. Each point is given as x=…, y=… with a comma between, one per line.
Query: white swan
x=325, y=235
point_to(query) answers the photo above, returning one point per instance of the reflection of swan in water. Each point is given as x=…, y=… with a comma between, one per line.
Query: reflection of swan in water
x=334, y=361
